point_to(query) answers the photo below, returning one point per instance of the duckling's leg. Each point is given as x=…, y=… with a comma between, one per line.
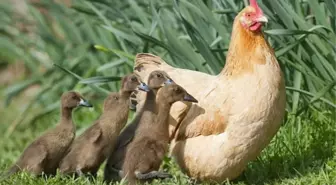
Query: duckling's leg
x=79, y=172
x=151, y=175
x=117, y=171
x=112, y=174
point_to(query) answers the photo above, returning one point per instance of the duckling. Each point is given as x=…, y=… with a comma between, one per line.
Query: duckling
x=145, y=154
x=91, y=148
x=44, y=154
x=115, y=161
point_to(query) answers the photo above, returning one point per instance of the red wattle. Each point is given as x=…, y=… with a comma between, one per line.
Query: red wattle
x=256, y=26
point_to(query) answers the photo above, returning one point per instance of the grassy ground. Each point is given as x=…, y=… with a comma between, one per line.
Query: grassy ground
x=303, y=152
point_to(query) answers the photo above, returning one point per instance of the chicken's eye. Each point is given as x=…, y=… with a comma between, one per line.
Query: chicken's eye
x=159, y=75
x=116, y=98
x=134, y=79
x=248, y=15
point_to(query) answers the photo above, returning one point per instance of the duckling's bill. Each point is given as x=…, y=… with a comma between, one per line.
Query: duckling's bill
x=84, y=103
x=168, y=81
x=189, y=98
x=143, y=87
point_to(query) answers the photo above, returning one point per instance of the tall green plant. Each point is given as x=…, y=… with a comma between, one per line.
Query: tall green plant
x=101, y=38
x=196, y=35
x=63, y=37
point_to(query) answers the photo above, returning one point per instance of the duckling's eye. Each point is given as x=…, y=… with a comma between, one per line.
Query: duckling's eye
x=159, y=75
x=248, y=15
x=134, y=79
x=116, y=98
x=74, y=97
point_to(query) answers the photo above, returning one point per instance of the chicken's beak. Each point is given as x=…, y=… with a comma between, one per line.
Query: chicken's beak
x=262, y=19
x=84, y=103
x=189, y=98
x=143, y=87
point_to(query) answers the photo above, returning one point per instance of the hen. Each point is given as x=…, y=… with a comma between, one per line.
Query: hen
x=239, y=112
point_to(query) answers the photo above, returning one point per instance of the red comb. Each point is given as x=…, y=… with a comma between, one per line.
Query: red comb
x=254, y=3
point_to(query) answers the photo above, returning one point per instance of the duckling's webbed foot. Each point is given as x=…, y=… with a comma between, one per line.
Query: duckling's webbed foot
x=152, y=175
x=117, y=171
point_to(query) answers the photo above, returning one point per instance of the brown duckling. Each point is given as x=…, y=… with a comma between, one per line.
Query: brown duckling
x=116, y=160
x=45, y=153
x=145, y=154
x=92, y=147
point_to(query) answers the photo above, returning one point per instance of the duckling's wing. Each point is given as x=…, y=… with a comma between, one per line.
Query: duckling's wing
x=127, y=135
x=118, y=152
x=33, y=157
x=94, y=134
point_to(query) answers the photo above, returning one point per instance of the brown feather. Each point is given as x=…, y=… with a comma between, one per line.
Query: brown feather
x=91, y=148
x=45, y=153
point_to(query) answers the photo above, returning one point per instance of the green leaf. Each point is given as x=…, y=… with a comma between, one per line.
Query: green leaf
x=15, y=89
x=153, y=40
x=100, y=79
x=111, y=65
x=224, y=11
x=83, y=10
x=94, y=87
x=202, y=47
x=296, y=95
x=115, y=51
x=312, y=95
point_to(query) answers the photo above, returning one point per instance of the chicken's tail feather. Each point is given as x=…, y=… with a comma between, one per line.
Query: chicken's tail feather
x=145, y=63
x=144, y=59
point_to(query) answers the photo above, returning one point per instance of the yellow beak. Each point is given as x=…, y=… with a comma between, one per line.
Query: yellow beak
x=262, y=19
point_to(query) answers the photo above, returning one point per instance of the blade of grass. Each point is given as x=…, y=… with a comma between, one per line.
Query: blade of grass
x=94, y=87
x=100, y=79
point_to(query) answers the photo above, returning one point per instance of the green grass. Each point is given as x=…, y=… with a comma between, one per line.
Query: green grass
x=303, y=151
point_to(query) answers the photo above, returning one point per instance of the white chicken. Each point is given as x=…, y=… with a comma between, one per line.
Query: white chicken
x=239, y=110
